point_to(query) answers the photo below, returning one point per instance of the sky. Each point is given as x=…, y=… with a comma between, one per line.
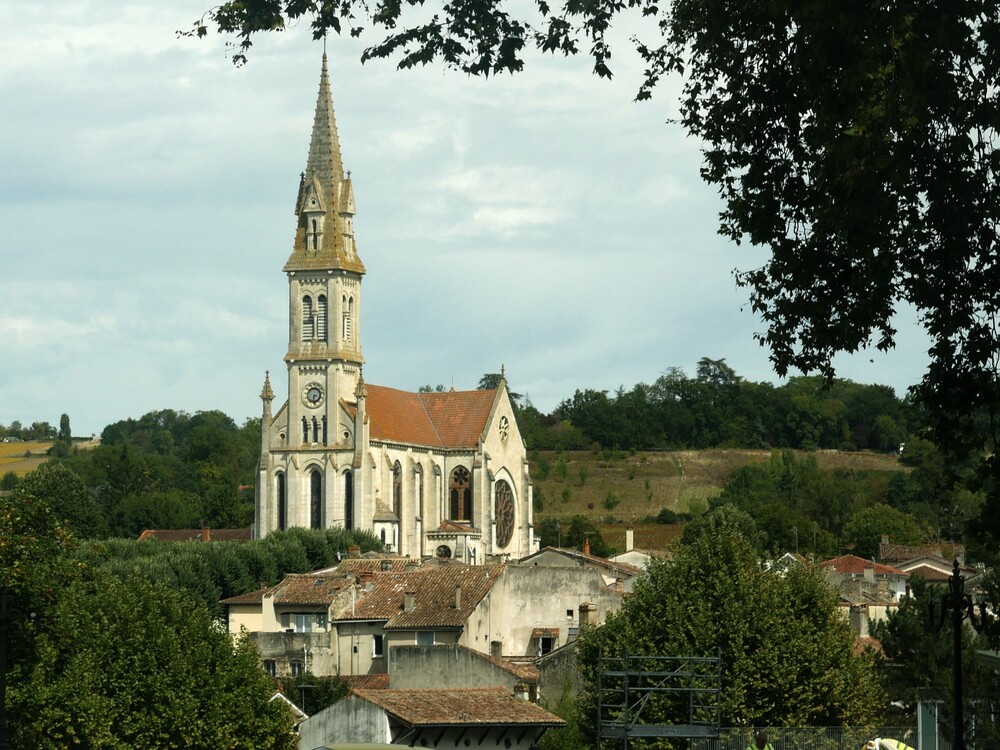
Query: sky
x=544, y=222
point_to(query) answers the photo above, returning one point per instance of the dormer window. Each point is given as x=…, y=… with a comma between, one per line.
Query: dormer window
x=315, y=235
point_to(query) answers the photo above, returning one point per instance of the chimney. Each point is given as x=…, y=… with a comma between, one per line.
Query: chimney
x=587, y=615
x=386, y=566
x=458, y=596
x=521, y=691
x=354, y=551
x=412, y=566
x=586, y=545
x=496, y=649
x=409, y=601
x=629, y=540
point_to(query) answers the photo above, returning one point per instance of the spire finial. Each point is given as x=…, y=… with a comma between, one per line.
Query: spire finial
x=266, y=394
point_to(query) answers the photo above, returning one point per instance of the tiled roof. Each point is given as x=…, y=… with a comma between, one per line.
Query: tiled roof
x=434, y=600
x=197, y=535
x=901, y=553
x=299, y=588
x=367, y=681
x=454, y=419
x=854, y=565
x=469, y=706
x=929, y=574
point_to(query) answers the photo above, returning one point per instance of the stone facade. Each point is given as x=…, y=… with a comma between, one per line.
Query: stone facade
x=432, y=474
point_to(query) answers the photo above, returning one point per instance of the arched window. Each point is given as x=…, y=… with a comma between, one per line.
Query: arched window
x=307, y=318
x=282, y=503
x=316, y=500
x=348, y=314
x=460, y=494
x=397, y=489
x=321, y=318
x=348, y=500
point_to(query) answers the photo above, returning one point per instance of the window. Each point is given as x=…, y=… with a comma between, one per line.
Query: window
x=397, y=489
x=425, y=637
x=316, y=500
x=460, y=494
x=315, y=235
x=545, y=644
x=303, y=622
x=377, y=647
x=348, y=312
x=321, y=318
x=271, y=667
x=297, y=668
x=348, y=500
x=282, y=503
x=307, y=318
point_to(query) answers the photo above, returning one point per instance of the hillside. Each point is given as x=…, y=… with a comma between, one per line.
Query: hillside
x=617, y=489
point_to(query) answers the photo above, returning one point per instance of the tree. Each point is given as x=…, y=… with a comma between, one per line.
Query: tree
x=65, y=433
x=64, y=492
x=867, y=526
x=136, y=664
x=787, y=656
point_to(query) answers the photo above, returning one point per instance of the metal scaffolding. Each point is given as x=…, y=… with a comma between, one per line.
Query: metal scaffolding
x=632, y=689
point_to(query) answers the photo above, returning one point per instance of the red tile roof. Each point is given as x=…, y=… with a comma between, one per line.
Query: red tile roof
x=454, y=419
x=929, y=574
x=463, y=707
x=197, y=535
x=854, y=565
x=367, y=681
x=434, y=600
x=299, y=588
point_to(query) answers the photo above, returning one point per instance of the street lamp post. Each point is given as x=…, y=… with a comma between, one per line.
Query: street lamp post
x=961, y=607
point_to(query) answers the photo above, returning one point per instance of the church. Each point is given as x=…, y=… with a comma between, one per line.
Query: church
x=432, y=474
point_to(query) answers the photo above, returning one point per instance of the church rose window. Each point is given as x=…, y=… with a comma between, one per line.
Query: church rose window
x=461, y=495
x=504, y=513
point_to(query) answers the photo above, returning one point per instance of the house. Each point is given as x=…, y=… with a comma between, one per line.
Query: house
x=431, y=474
x=636, y=558
x=485, y=718
x=346, y=620
x=855, y=575
x=620, y=575
x=894, y=554
x=424, y=667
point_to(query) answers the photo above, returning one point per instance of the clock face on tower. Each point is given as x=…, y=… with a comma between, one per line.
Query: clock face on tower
x=312, y=395
x=505, y=513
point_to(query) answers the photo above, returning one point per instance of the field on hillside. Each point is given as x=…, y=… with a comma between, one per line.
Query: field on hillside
x=617, y=489
x=23, y=457
x=28, y=455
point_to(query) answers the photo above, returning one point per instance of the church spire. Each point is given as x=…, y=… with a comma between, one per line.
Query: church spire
x=324, y=239
x=324, y=149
